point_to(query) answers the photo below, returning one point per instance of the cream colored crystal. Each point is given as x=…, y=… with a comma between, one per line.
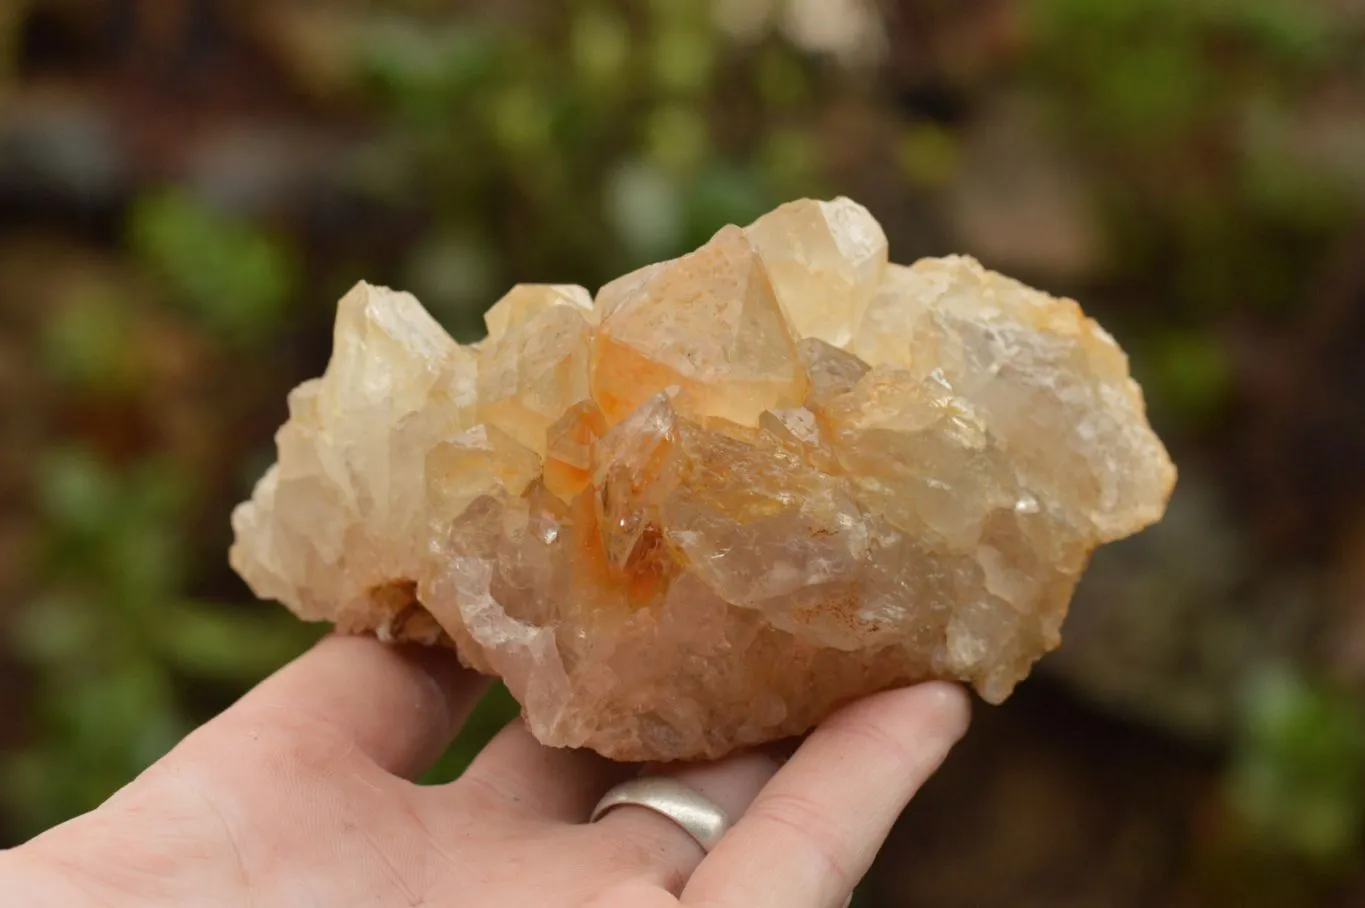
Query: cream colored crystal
x=825, y=260
x=1048, y=383
x=534, y=364
x=741, y=488
x=525, y=301
x=339, y=524
x=708, y=323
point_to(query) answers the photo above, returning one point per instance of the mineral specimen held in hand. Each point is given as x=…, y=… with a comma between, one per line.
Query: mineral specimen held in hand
x=734, y=491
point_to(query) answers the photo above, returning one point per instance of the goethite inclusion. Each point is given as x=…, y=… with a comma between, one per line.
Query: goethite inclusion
x=728, y=494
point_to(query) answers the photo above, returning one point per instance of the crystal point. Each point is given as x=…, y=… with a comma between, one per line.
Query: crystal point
x=708, y=323
x=826, y=260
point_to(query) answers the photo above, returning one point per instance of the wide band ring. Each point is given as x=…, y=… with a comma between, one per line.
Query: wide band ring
x=666, y=796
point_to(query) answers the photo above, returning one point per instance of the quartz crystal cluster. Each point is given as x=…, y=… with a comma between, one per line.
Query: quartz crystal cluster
x=730, y=492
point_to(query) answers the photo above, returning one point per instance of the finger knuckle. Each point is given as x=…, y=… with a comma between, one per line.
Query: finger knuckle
x=874, y=739
x=294, y=744
x=805, y=825
x=940, y=719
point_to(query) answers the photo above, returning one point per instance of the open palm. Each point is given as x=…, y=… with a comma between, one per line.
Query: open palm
x=299, y=795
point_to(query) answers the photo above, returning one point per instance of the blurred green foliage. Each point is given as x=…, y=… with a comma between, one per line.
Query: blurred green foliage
x=125, y=658
x=1193, y=111
x=607, y=143
x=231, y=276
x=1298, y=781
x=495, y=710
x=114, y=644
x=90, y=345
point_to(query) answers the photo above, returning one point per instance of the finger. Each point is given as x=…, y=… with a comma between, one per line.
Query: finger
x=552, y=783
x=399, y=705
x=664, y=849
x=811, y=834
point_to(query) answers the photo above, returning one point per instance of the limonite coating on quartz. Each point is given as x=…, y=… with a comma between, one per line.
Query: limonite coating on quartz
x=729, y=493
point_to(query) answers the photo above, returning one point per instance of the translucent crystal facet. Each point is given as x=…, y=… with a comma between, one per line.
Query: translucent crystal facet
x=708, y=323
x=826, y=259
x=534, y=363
x=339, y=521
x=735, y=490
x=525, y=301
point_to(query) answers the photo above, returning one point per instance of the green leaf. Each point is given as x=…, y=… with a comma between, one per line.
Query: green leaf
x=678, y=138
x=493, y=712
x=76, y=492
x=423, y=70
x=684, y=59
x=234, y=278
x=1298, y=776
x=240, y=643
x=724, y=194
x=599, y=42
x=780, y=79
x=1191, y=374
x=929, y=154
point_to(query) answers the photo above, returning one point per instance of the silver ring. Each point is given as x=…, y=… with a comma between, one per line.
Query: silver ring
x=670, y=798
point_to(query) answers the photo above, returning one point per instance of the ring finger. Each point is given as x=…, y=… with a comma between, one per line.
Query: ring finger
x=667, y=851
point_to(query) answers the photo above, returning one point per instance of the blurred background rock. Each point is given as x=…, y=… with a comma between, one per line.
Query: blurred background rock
x=187, y=187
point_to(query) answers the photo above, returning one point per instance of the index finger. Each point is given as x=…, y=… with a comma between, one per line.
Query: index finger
x=398, y=704
x=812, y=833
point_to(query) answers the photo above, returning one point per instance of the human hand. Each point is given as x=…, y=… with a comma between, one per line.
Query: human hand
x=299, y=796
